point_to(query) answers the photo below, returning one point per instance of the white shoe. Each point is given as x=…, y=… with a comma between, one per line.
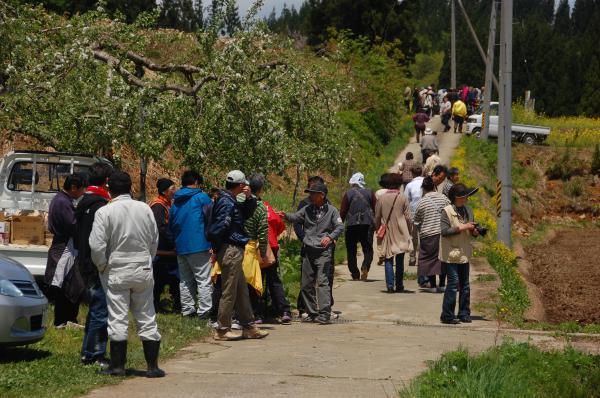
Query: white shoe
x=235, y=325
x=214, y=325
x=334, y=315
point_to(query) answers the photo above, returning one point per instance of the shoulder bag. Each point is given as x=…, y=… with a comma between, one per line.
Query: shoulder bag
x=382, y=230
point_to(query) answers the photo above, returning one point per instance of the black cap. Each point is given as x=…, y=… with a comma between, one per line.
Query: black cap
x=317, y=187
x=163, y=184
x=462, y=191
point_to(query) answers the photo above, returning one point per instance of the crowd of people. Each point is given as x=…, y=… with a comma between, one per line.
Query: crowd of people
x=217, y=251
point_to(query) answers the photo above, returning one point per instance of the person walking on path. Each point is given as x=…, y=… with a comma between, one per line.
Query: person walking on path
x=427, y=220
x=165, y=268
x=446, y=113
x=420, y=118
x=392, y=219
x=228, y=237
x=95, y=335
x=429, y=144
x=358, y=211
x=186, y=222
x=322, y=226
x=60, y=274
x=453, y=178
x=457, y=230
x=413, y=194
x=459, y=113
x=123, y=242
x=406, y=168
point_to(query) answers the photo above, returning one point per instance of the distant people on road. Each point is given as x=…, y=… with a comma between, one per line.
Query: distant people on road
x=166, y=272
x=453, y=178
x=459, y=113
x=358, y=212
x=392, y=219
x=429, y=144
x=457, y=231
x=427, y=221
x=407, y=98
x=186, y=223
x=406, y=168
x=61, y=275
x=446, y=113
x=95, y=336
x=123, y=242
x=420, y=118
x=322, y=225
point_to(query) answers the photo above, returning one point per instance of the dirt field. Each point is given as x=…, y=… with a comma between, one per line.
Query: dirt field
x=567, y=270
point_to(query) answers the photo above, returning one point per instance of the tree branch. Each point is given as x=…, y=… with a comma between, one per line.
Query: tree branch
x=141, y=60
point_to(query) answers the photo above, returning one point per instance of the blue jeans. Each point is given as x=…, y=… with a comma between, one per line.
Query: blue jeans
x=458, y=280
x=95, y=334
x=389, y=272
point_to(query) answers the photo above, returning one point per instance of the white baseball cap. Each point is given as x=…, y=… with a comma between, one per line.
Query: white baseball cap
x=237, y=177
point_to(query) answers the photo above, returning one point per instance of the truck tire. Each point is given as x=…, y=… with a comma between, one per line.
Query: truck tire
x=529, y=140
x=476, y=132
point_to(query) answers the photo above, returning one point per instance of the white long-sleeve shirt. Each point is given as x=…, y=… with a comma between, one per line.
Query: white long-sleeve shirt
x=124, y=232
x=413, y=193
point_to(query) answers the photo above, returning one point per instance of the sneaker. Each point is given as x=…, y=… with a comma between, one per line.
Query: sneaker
x=323, y=320
x=235, y=325
x=214, y=325
x=258, y=321
x=286, y=319
x=390, y=290
x=307, y=318
x=254, y=333
x=334, y=315
x=466, y=319
x=226, y=335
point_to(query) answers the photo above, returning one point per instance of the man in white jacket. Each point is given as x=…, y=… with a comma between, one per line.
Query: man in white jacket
x=123, y=243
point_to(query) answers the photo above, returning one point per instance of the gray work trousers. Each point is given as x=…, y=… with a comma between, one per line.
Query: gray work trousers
x=195, y=284
x=234, y=287
x=129, y=287
x=316, y=291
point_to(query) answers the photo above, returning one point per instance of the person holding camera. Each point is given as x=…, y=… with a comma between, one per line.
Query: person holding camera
x=458, y=228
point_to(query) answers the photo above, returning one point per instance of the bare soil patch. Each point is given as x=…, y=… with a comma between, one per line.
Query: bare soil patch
x=566, y=268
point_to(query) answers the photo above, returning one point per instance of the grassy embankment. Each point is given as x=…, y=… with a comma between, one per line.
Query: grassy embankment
x=509, y=370
x=51, y=367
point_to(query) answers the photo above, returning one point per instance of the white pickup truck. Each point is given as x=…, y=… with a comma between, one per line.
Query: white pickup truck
x=525, y=133
x=28, y=182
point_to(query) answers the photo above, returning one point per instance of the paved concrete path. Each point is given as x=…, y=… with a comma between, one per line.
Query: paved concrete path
x=379, y=343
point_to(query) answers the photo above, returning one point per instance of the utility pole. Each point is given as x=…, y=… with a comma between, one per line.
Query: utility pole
x=489, y=71
x=452, y=46
x=505, y=123
x=476, y=39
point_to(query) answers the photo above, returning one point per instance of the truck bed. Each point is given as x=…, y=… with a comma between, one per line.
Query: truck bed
x=33, y=257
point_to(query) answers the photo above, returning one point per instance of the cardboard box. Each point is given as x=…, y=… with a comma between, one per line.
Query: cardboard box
x=27, y=230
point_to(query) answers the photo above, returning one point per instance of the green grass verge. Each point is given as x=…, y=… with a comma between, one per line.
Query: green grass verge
x=52, y=368
x=509, y=370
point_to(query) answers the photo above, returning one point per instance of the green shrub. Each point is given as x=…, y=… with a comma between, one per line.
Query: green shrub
x=575, y=187
x=509, y=370
x=564, y=167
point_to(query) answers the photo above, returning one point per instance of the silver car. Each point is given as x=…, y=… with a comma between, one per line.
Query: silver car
x=23, y=306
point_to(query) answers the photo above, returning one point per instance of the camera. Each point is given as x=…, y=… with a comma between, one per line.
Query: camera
x=481, y=229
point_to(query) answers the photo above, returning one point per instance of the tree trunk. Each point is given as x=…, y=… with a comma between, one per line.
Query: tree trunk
x=143, y=171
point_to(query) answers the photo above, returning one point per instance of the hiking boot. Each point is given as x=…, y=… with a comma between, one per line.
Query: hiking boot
x=254, y=333
x=118, y=357
x=390, y=290
x=151, y=349
x=286, y=319
x=450, y=321
x=364, y=274
x=226, y=335
x=465, y=319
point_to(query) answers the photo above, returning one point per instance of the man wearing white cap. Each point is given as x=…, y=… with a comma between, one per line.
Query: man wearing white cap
x=429, y=144
x=357, y=211
x=228, y=237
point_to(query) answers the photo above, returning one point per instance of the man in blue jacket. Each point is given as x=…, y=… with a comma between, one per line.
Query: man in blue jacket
x=186, y=222
x=234, y=205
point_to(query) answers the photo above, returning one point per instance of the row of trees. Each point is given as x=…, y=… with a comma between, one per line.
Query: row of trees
x=250, y=100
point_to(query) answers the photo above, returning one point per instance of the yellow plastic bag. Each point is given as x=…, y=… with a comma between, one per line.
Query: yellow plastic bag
x=251, y=267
